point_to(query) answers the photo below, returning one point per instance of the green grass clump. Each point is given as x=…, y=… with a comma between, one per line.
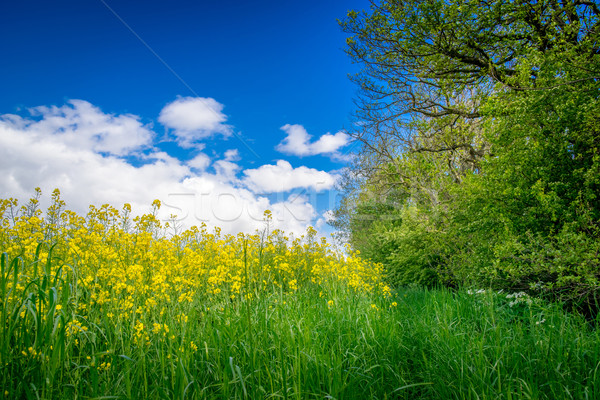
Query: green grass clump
x=308, y=344
x=115, y=310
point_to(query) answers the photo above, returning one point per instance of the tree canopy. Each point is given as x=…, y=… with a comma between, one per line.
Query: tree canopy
x=479, y=125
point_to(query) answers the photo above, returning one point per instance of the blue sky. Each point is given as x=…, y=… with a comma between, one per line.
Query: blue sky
x=216, y=108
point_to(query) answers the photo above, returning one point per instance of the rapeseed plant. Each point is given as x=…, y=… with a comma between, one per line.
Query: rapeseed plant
x=73, y=286
x=108, y=305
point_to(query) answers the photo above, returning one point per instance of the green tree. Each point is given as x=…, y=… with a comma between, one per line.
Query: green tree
x=483, y=116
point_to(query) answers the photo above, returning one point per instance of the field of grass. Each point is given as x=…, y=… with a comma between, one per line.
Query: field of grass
x=109, y=307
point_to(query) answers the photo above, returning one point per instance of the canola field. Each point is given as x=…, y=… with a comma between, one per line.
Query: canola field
x=107, y=306
x=107, y=303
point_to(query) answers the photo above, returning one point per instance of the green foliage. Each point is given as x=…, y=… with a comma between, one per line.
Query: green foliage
x=484, y=114
x=306, y=344
x=411, y=250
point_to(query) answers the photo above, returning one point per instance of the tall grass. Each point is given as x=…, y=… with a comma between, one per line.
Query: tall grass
x=117, y=313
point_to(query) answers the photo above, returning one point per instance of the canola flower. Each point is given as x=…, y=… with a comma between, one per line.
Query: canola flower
x=74, y=284
x=128, y=265
x=109, y=306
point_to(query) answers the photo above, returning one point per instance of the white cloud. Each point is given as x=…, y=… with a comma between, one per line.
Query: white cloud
x=296, y=211
x=194, y=118
x=200, y=162
x=282, y=177
x=232, y=155
x=86, y=154
x=226, y=170
x=298, y=142
x=216, y=202
x=80, y=125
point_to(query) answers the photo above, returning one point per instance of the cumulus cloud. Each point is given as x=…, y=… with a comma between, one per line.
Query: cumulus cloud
x=194, y=118
x=297, y=211
x=282, y=177
x=80, y=125
x=200, y=162
x=327, y=217
x=35, y=153
x=215, y=202
x=88, y=155
x=298, y=142
x=226, y=170
x=232, y=155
